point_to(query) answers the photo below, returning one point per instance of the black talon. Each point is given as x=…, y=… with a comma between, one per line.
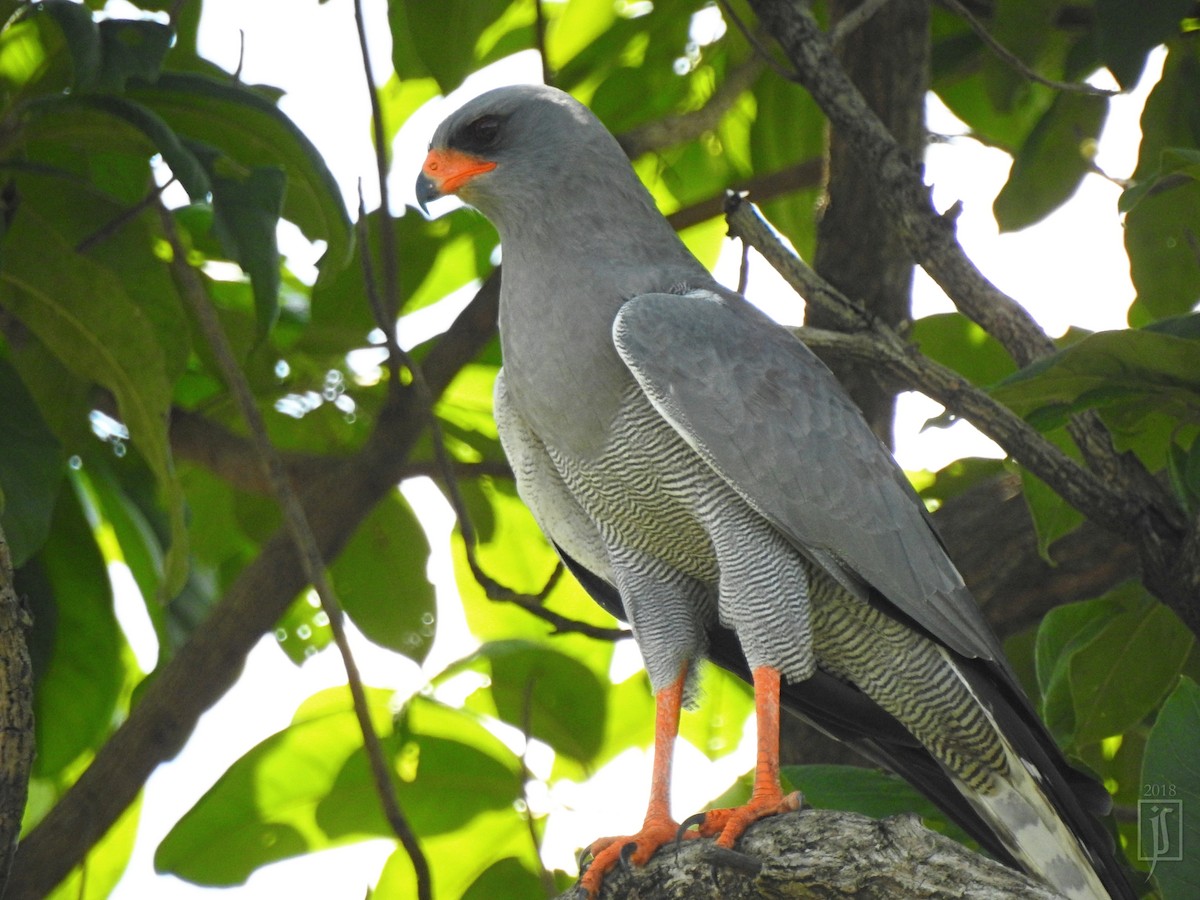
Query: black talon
x=697, y=819
x=627, y=851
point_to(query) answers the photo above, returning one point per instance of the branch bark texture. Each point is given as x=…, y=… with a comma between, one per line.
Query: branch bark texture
x=816, y=854
x=1134, y=505
x=16, y=714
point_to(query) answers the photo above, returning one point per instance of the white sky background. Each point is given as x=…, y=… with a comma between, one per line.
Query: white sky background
x=1070, y=269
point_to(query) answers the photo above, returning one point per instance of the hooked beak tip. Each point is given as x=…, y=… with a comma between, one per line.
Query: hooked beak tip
x=427, y=190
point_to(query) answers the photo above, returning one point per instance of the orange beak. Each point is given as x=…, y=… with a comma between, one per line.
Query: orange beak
x=446, y=171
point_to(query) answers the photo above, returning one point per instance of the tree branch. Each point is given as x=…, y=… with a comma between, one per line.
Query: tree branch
x=1152, y=518
x=879, y=346
x=312, y=562
x=1011, y=59
x=823, y=854
x=934, y=246
x=211, y=660
x=16, y=713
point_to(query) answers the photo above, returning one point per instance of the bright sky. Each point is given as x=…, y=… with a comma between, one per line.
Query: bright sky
x=1069, y=269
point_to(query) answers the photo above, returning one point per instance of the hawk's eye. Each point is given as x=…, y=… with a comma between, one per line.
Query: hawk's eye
x=483, y=132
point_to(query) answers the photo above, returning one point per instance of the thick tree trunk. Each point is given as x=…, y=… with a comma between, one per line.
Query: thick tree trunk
x=858, y=249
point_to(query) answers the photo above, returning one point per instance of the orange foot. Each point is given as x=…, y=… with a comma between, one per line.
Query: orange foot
x=729, y=824
x=607, y=852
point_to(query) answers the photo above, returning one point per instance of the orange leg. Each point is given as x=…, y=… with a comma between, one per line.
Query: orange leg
x=768, y=798
x=659, y=828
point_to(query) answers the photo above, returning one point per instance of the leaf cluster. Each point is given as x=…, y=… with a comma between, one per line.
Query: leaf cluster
x=122, y=451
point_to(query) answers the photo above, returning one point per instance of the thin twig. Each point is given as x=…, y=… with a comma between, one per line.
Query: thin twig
x=753, y=40
x=670, y=130
x=196, y=296
x=117, y=222
x=1073, y=87
x=855, y=19
x=804, y=175
x=386, y=323
x=874, y=341
x=930, y=238
x=547, y=880
x=539, y=35
x=387, y=308
x=744, y=268
x=397, y=356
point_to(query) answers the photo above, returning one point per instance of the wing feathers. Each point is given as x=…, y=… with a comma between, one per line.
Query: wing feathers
x=768, y=416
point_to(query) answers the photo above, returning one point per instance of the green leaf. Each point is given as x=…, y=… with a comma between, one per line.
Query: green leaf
x=628, y=722
x=484, y=776
x=457, y=858
x=788, y=129
x=543, y=693
x=254, y=132
x=76, y=643
x=81, y=312
x=1128, y=31
x=264, y=807
x=31, y=468
x=130, y=48
x=1119, y=657
x=246, y=211
x=436, y=258
x=996, y=102
x=1162, y=237
x=506, y=878
x=578, y=25
x=382, y=583
x=304, y=629
x=1136, y=371
x=955, y=478
x=1064, y=632
x=122, y=490
x=1183, y=468
x=445, y=37
x=82, y=36
x=1126, y=670
x=1169, y=118
x=955, y=341
x=309, y=787
x=1052, y=161
x=182, y=162
x=1052, y=518
x=399, y=98
x=1171, y=795
x=725, y=703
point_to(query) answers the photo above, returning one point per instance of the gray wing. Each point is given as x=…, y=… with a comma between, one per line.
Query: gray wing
x=542, y=489
x=771, y=419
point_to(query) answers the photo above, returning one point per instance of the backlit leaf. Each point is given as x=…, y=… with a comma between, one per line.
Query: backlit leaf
x=31, y=468
x=255, y=132
x=80, y=310
x=76, y=643
x=1052, y=161
x=1170, y=786
x=381, y=579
